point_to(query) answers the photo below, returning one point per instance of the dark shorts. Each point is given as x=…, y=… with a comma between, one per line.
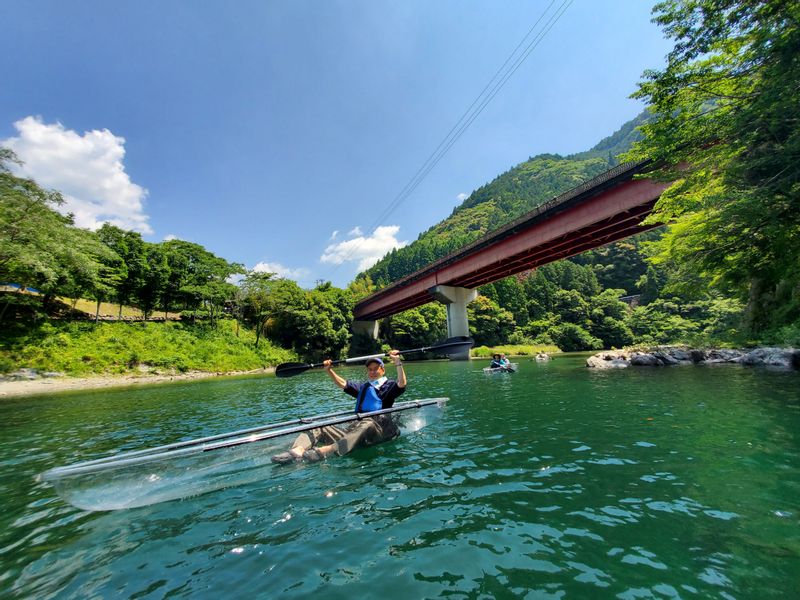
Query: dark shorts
x=362, y=433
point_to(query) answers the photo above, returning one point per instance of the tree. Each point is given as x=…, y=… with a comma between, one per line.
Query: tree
x=622, y=264
x=314, y=323
x=509, y=293
x=29, y=224
x=489, y=324
x=131, y=249
x=156, y=278
x=89, y=268
x=255, y=299
x=660, y=322
x=650, y=284
x=214, y=295
x=325, y=328
x=726, y=131
x=608, y=315
x=570, y=337
x=540, y=291
x=41, y=248
x=422, y=326
x=572, y=307
x=195, y=276
x=361, y=287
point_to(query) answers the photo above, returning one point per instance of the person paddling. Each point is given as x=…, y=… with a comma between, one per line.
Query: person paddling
x=376, y=393
x=496, y=363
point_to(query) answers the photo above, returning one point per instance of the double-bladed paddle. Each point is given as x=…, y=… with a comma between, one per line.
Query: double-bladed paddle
x=452, y=345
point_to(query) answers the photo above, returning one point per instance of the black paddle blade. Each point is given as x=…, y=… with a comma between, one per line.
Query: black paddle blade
x=459, y=342
x=291, y=369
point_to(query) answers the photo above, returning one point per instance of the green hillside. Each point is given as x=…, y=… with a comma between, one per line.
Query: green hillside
x=573, y=304
x=509, y=196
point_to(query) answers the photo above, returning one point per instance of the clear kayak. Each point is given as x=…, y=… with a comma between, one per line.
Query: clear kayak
x=509, y=368
x=194, y=467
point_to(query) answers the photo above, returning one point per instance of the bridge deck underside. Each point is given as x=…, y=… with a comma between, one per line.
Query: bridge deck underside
x=568, y=245
x=607, y=217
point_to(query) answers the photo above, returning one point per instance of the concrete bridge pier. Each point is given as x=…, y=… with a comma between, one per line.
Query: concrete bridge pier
x=368, y=328
x=456, y=300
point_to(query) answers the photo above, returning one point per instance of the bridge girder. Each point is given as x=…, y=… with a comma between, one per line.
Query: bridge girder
x=606, y=209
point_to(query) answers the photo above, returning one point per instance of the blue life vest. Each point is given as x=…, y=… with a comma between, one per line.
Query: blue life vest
x=368, y=399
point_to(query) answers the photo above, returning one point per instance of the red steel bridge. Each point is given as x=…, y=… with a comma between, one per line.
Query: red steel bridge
x=605, y=209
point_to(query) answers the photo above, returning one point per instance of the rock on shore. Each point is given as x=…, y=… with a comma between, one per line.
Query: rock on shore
x=787, y=358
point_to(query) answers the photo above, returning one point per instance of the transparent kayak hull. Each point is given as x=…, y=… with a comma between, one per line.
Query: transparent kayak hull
x=508, y=369
x=194, y=467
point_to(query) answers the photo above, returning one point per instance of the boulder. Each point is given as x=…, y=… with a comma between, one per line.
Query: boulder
x=645, y=359
x=665, y=358
x=614, y=359
x=774, y=357
x=697, y=356
x=681, y=355
x=723, y=355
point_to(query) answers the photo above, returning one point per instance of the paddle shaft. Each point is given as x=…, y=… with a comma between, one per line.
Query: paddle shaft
x=358, y=359
x=289, y=369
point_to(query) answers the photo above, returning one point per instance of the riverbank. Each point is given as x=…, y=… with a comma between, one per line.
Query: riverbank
x=52, y=385
x=787, y=358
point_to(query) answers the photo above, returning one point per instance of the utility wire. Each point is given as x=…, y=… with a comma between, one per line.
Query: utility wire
x=461, y=127
x=482, y=100
x=408, y=187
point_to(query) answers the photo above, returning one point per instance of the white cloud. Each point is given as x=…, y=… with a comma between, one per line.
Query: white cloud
x=281, y=271
x=355, y=231
x=87, y=169
x=170, y=236
x=366, y=250
x=462, y=196
x=334, y=235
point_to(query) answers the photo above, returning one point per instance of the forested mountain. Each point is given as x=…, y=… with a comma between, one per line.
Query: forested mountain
x=574, y=304
x=509, y=196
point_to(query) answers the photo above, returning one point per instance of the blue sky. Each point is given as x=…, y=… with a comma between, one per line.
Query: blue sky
x=281, y=134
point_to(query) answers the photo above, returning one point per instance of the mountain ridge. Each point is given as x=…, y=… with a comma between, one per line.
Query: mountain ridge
x=508, y=196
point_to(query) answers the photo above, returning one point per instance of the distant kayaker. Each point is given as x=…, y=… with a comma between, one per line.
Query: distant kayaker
x=376, y=393
x=496, y=362
x=504, y=362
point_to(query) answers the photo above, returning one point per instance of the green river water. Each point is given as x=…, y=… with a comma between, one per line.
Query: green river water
x=553, y=482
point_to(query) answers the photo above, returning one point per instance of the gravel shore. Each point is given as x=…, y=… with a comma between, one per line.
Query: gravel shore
x=52, y=385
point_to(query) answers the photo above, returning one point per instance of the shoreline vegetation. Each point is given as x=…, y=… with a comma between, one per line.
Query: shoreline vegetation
x=135, y=350
x=28, y=382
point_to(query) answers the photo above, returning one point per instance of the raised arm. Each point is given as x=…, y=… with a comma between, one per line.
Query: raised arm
x=401, y=372
x=337, y=379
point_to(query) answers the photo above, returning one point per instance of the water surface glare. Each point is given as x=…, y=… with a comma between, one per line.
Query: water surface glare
x=553, y=482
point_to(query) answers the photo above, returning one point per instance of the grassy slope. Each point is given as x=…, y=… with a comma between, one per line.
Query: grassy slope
x=79, y=348
x=513, y=350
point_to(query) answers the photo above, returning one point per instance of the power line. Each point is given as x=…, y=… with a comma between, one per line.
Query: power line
x=461, y=126
x=468, y=117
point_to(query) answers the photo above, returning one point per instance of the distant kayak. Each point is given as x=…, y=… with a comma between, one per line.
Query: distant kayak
x=194, y=467
x=510, y=368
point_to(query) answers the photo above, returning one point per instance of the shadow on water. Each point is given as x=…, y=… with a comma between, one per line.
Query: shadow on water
x=555, y=481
